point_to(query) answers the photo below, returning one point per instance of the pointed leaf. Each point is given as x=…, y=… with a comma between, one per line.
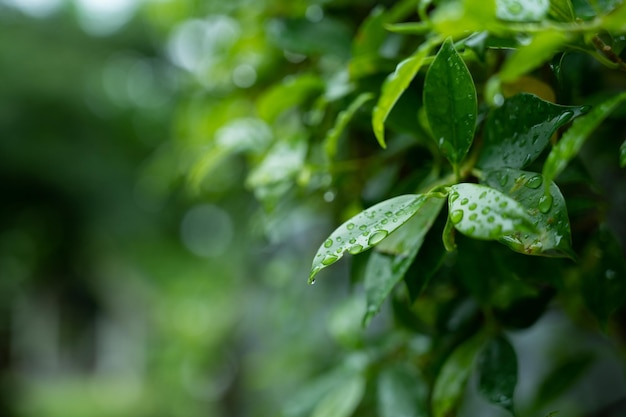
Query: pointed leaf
x=575, y=137
x=450, y=103
x=522, y=10
x=366, y=229
x=485, y=213
x=549, y=214
x=344, y=117
x=517, y=132
x=342, y=401
x=394, y=86
x=497, y=372
x=393, y=257
x=401, y=393
x=622, y=155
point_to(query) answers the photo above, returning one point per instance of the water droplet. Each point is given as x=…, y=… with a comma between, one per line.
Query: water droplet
x=329, y=259
x=486, y=210
x=312, y=281
x=527, y=160
x=350, y=226
x=456, y=216
x=496, y=231
x=482, y=195
x=352, y=241
x=384, y=221
x=464, y=201
x=473, y=206
x=504, y=179
x=377, y=237
x=545, y=203
x=388, y=214
x=353, y=250
x=534, y=182
x=520, y=179
x=473, y=216
x=338, y=238
x=491, y=219
x=328, y=243
x=471, y=229
x=454, y=197
x=362, y=227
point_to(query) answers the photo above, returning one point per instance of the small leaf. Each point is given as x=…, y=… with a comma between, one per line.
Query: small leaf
x=366, y=229
x=552, y=236
x=485, y=213
x=450, y=103
x=393, y=257
x=518, y=131
x=522, y=10
x=497, y=372
x=342, y=401
x=452, y=379
x=622, y=155
x=344, y=117
x=394, y=86
x=401, y=393
x=575, y=137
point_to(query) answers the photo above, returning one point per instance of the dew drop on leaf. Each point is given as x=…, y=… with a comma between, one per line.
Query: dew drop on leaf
x=545, y=203
x=328, y=243
x=388, y=214
x=353, y=250
x=473, y=206
x=464, y=201
x=454, y=197
x=534, y=182
x=486, y=210
x=456, y=216
x=329, y=259
x=377, y=237
x=473, y=216
x=362, y=227
x=350, y=226
x=504, y=179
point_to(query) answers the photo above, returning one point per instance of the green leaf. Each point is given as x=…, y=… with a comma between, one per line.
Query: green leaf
x=452, y=379
x=366, y=229
x=622, y=155
x=293, y=91
x=482, y=212
x=394, y=86
x=522, y=10
x=552, y=236
x=450, y=103
x=518, y=131
x=342, y=401
x=562, y=377
x=540, y=49
x=575, y=137
x=562, y=10
x=497, y=372
x=401, y=393
x=393, y=257
x=344, y=117
x=367, y=43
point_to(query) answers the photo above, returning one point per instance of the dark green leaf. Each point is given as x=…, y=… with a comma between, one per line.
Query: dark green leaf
x=562, y=377
x=573, y=139
x=562, y=10
x=344, y=117
x=366, y=229
x=622, y=155
x=392, y=258
x=497, y=372
x=450, y=103
x=552, y=236
x=401, y=393
x=485, y=213
x=517, y=132
x=394, y=86
x=367, y=44
x=522, y=10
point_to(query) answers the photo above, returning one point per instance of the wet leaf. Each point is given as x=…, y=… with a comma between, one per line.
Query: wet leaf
x=344, y=117
x=574, y=138
x=342, y=401
x=485, y=213
x=452, y=379
x=622, y=155
x=291, y=92
x=450, y=103
x=394, y=86
x=552, y=236
x=401, y=393
x=497, y=372
x=522, y=10
x=562, y=10
x=366, y=229
x=393, y=257
x=517, y=132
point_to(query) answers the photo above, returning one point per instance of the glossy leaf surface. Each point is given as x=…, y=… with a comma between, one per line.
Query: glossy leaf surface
x=517, y=132
x=485, y=213
x=344, y=117
x=450, y=103
x=552, y=236
x=522, y=10
x=366, y=229
x=394, y=86
x=393, y=257
x=401, y=393
x=497, y=372
x=572, y=140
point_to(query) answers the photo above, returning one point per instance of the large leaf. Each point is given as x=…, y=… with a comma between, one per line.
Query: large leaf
x=394, y=86
x=366, y=229
x=575, y=137
x=401, y=393
x=393, y=257
x=552, y=236
x=497, y=372
x=450, y=103
x=452, y=379
x=522, y=10
x=518, y=131
x=485, y=213
x=342, y=401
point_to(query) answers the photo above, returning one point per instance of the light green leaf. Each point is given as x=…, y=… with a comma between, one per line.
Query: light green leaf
x=575, y=137
x=497, y=372
x=485, y=213
x=522, y=10
x=518, y=131
x=552, y=236
x=342, y=401
x=528, y=57
x=394, y=86
x=393, y=257
x=452, y=379
x=293, y=91
x=622, y=155
x=450, y=103
x=562, y=10
x=344, y=117
x=366, y=229
x=401, y=393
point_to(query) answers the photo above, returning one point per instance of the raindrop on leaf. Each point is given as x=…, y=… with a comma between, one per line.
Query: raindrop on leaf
x=456, y=216
x=545, y=203
x=377, y=237
x=328, y=243
x=534, y=182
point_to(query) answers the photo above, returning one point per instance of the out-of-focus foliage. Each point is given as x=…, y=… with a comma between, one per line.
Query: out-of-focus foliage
x=172, y=166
